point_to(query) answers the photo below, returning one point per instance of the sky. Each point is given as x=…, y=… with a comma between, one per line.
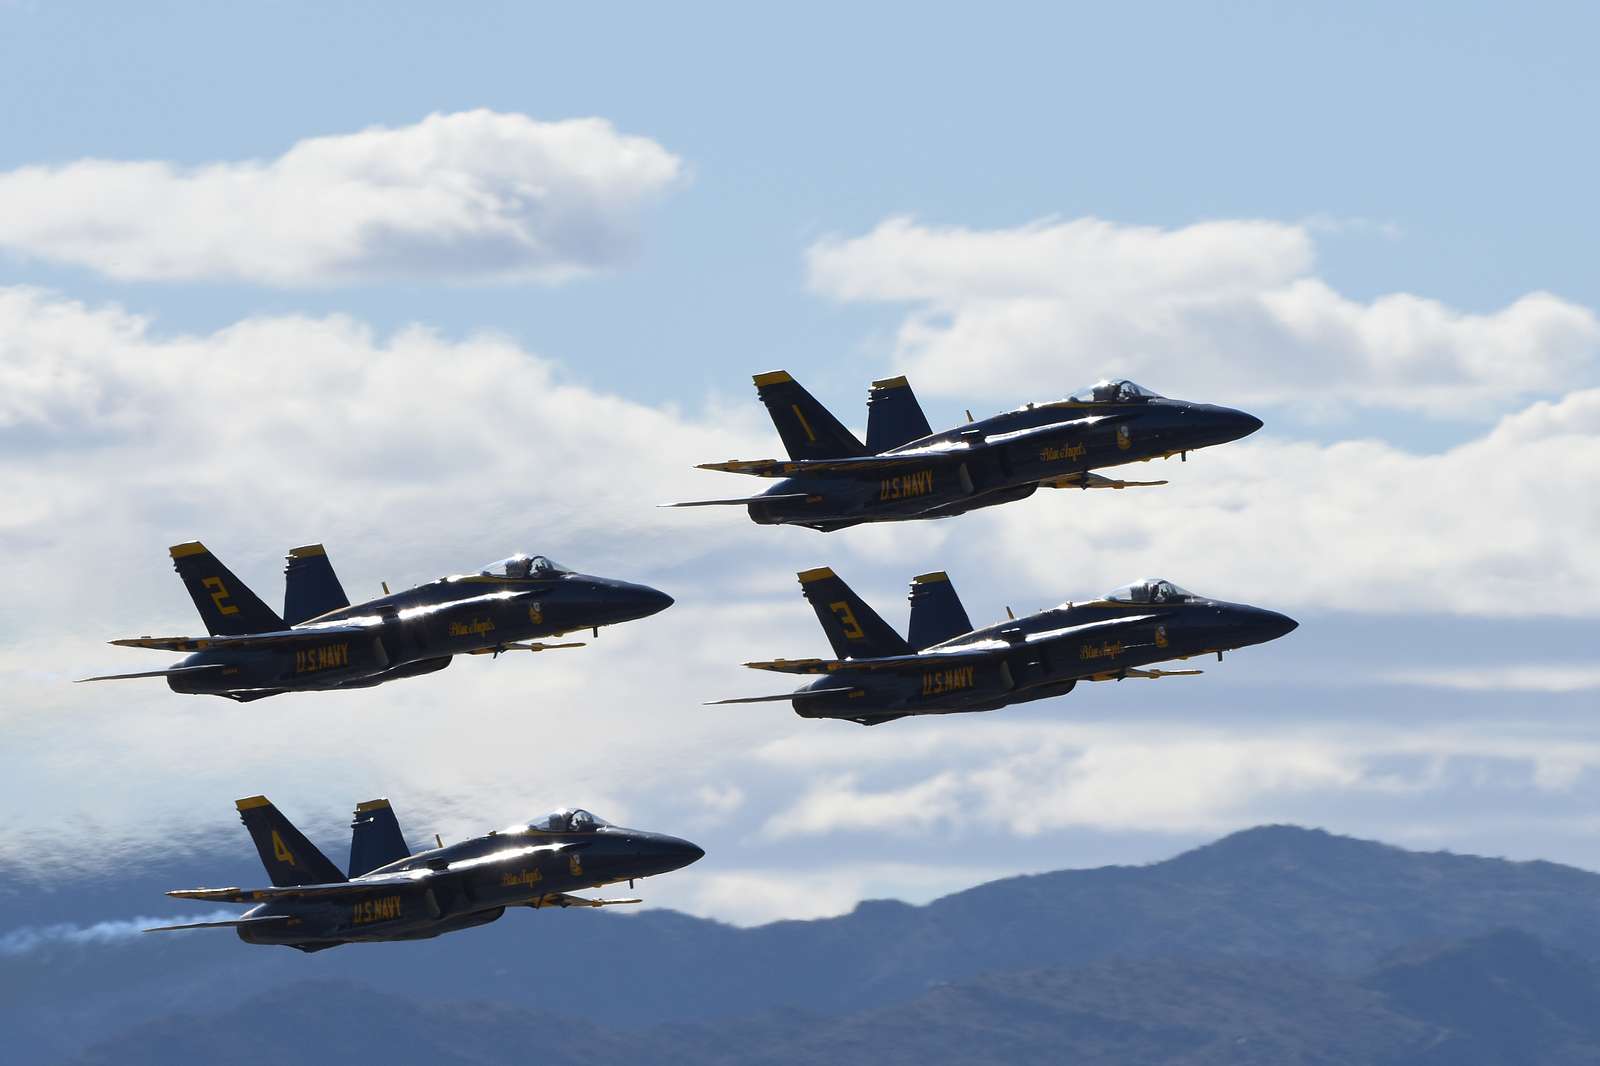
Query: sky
x=431, y=287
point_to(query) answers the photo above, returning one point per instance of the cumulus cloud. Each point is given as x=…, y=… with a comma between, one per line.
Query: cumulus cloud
x=470, y=197
x=1226, y=311
x=1030, y=779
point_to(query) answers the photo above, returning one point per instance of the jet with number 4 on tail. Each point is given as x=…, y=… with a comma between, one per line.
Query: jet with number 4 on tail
x=322, y=641
x=905, y=471
x=390, y=893
x=945, y=666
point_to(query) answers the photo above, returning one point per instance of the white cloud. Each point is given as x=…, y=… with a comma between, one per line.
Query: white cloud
x=1519, y=677
x=472, y=196
x=1226, y=311
x=1026, y=779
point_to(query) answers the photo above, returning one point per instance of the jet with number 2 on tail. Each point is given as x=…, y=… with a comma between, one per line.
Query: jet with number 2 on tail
x=323, y=642
x=392, y=894
x=946, y=666
x=905, y=471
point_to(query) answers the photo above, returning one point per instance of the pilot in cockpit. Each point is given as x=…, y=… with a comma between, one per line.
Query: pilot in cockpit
x=1123, y=391
x=525, y=566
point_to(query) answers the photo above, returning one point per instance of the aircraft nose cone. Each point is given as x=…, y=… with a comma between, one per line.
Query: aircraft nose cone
x=1235, y=424
x=1270, y=625
x=672, y=853
x=639, y=601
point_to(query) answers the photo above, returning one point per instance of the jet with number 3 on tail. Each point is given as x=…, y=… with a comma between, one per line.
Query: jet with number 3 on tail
x=946, y=666
x=905, y=471
x=390, y=893
x=323, y=642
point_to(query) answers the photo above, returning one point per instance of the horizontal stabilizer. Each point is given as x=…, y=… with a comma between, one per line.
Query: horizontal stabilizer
x=562, y=899
x=171, y=672
x=265, y=919
x=809, y=694
x=738, y=502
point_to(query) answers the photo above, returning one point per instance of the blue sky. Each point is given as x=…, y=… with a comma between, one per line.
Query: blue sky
x=1372, y=227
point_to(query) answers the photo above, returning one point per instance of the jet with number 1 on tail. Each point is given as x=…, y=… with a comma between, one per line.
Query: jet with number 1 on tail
x=905, y=471
x=390, y=893
x=322, y=641
x=946, y=666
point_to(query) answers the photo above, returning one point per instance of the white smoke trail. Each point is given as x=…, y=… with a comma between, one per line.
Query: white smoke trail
x=30, y=938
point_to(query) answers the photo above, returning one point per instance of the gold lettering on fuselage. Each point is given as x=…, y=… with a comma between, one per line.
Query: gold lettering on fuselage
x=381, y=909
x=1056, y=455
x=1161, y=636
x=574, y=866
x=536, y=613
x=905, y=486
x=1105, y=650
x=475, y=628
x=520, y=878
x=955, y=679
x=322, y=657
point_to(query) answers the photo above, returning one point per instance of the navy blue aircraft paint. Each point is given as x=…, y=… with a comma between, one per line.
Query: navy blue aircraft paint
x=906, y=471
x=323, y=642
x=947, y=666
x=392, y=894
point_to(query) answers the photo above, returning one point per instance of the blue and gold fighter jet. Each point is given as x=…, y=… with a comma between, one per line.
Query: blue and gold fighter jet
x=906, y=471
x=392, y=894
x=946, y=666
x=322, y=641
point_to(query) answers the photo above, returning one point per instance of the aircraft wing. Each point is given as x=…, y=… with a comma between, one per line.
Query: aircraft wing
x=1094, y=481
x=562, y=899
x=979, y=651
x=864, y=466
x=279, y=639
x=414, y=880
x=1134, y=671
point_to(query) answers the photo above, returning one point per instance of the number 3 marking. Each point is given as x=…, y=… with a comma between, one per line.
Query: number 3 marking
x=852, y=628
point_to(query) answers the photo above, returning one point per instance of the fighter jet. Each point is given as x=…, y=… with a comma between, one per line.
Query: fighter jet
x=906, y=471
x=323, y=642
x=392, y=894
x=946, y=666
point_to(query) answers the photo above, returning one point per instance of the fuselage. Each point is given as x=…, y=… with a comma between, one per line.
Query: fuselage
x=418, y=630
x=1039, y=656
x=469, y=884
x=1003, y=458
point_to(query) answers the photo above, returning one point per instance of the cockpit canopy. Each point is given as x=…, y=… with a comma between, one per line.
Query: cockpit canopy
x=567, y=820
x=1123, y=391
x=520, y=565
x=1151, y=590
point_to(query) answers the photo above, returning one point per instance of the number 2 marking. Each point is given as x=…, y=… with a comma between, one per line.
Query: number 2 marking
x=219, y=595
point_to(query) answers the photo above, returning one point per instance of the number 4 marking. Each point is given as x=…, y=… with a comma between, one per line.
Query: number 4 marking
x=280, y=850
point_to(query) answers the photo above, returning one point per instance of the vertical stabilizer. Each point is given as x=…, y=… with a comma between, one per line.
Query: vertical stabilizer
x=893, y=416
x=854, y=629
x=936, y=611
x=310, y=587
x=808, y=430
x=289, y=857
x=226, y=605
x=375, y=838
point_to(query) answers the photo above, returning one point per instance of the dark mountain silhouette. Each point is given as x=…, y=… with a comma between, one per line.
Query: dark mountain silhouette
x=1332, y=908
